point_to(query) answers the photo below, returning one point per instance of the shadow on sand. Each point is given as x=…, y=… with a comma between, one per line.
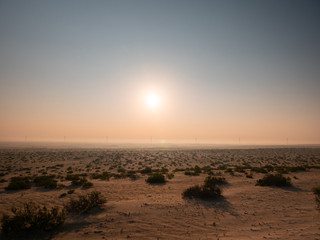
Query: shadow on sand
x=220, y=203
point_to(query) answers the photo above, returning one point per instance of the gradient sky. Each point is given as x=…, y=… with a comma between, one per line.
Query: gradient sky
x=222, y=69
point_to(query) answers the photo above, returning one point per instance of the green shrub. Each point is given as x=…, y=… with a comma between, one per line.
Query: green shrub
x=85, y=203
x=32, y=218
x=274, y=180
x=18, y=183
x=156, y=178
x=46, y=181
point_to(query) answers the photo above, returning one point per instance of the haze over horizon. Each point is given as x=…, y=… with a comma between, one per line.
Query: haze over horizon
x=171, y=70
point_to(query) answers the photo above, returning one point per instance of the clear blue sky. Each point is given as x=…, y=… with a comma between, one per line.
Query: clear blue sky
x=222, y=69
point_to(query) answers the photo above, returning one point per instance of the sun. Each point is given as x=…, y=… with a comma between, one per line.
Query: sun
x=153, y=100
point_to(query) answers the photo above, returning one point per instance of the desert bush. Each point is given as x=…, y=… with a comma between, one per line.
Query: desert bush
x=45, y=181
x=164, y=170
x=229, y=170
x=62, y=195
x=274, y=180
x=119, y=175
x=71, y=177
x=191, y=173
x=121, y=170
x=85, y=203
x=178, y=170
x=268, y=168
x=102, y=176
x=170, y=175
x=249, y=175
x=61, y=186
x=212, y=181
x=316, y=191
x=18, y=183
x=87, y=185
x=287, y=169
x=32, y=218
x=209, y=190
x=156, y=178
x=146, y=170
x=239, y=169
x=197, y=169
x=221, y=167
x=202, y=192
x=70, y=191
x=259, y=170
x=207, y=169
x=79, y=182
x=132, y=175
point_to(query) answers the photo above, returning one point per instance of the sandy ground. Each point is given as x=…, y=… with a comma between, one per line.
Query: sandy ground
x=137, y=210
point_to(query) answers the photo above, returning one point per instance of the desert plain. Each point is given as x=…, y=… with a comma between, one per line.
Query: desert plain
x=135, y=209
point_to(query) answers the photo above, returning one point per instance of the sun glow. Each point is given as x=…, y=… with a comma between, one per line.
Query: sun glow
x=153, y=100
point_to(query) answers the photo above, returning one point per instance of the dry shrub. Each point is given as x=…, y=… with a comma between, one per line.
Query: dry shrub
x=202, y=192
x=18, y=183
x=156, y=178
x=316, y=191
x=85, y=203
x=31, y=218
x=46, y=181
x=276, y=180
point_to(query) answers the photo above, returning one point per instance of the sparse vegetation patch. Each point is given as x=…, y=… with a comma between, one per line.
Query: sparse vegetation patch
x=85, y=203
x=19, y=183
x=32, y=218
x=212, y=181
x=274, y=180
x=316, y=192
x=209, y=190
x=156, y=178
x=46, y=181
x=202, y=192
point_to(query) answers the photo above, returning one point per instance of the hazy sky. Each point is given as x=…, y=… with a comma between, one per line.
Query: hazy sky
x=219, y=69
